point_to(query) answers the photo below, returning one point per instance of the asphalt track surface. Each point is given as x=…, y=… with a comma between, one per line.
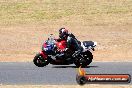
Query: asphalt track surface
x=26, y=73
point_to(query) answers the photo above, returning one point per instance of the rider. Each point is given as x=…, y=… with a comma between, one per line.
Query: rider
x=71, y=40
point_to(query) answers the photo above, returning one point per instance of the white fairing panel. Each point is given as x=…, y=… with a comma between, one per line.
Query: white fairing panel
x=95, y=44
x=88, y=48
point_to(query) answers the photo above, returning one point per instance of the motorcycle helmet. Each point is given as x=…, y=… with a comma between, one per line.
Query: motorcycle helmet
x=63, y=33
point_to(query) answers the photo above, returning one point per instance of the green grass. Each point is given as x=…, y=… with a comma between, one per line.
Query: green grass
x=23, y=12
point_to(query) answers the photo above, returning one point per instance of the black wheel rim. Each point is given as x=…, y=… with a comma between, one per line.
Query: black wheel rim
x=86, y=57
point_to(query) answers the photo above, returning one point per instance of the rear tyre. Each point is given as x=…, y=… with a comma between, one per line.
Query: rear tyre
x=84, y=59
x=40, y=61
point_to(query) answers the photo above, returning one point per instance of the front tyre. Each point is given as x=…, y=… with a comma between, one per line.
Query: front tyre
x=84, y=59
x=40, y=61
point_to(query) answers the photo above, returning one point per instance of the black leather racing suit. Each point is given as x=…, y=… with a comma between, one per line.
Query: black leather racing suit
x=71, y=40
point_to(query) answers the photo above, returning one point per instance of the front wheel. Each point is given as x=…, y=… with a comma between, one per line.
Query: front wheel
x=84, y=59
x=40, y=61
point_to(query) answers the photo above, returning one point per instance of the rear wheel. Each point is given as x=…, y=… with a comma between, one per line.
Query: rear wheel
x=84, y=59
x=40, y=61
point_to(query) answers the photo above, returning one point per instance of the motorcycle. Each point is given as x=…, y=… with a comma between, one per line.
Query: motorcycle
x=54, y=52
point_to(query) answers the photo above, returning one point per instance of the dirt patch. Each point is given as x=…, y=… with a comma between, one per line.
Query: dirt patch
x=21, y=43
x=25, y=25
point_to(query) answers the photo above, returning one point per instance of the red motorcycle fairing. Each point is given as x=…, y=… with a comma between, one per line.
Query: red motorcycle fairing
x=44, y=55
x=44, y=45
x=61, y=45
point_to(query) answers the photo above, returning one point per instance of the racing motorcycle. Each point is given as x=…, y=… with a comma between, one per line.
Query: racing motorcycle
x=54, y=52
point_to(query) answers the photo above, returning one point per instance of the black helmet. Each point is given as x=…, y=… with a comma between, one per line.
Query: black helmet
x=63, y=33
